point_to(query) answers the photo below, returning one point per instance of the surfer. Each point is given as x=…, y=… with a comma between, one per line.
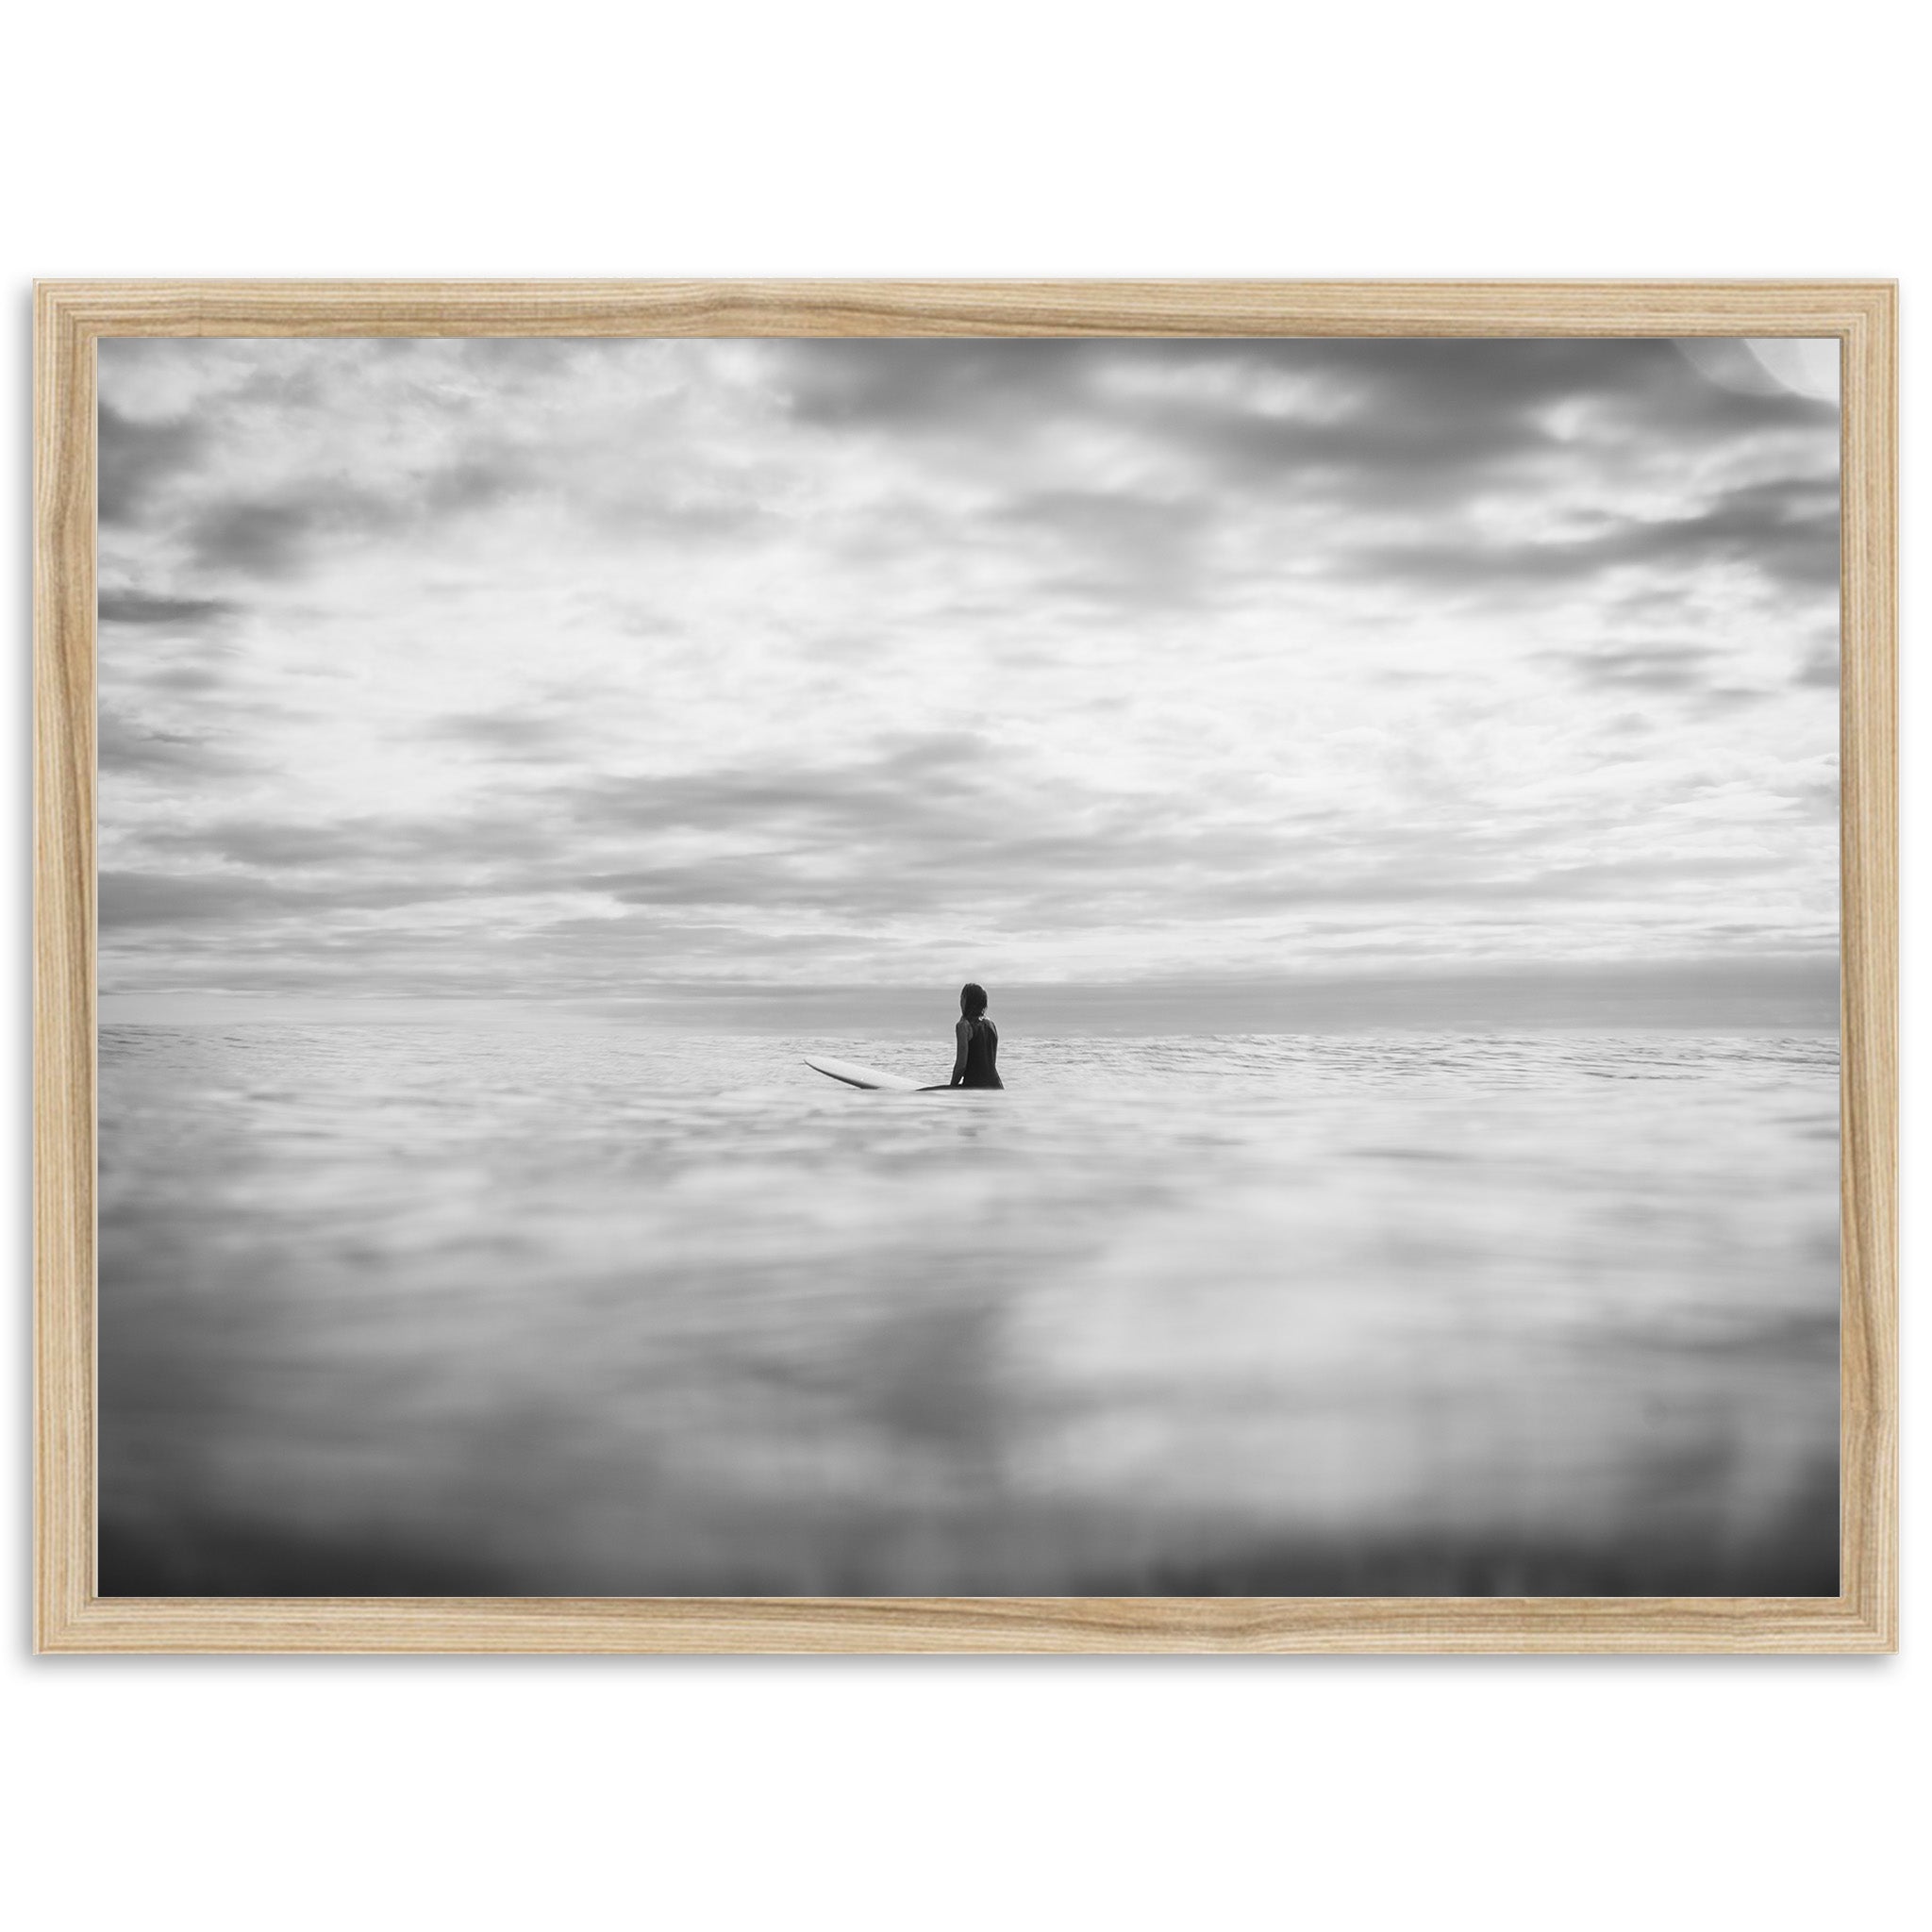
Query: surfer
x=979, y=1043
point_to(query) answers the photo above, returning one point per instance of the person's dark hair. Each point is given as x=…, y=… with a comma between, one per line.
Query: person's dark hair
x=972, y=1000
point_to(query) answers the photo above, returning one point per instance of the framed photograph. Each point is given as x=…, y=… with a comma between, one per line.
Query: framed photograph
x=962, y=966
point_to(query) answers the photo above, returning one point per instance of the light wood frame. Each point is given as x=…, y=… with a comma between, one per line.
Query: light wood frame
x=70, y=316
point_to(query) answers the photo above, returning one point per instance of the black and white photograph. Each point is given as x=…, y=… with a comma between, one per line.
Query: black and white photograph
x=1003, y=967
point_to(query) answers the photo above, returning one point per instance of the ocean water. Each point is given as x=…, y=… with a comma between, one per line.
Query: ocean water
x=385, y=1310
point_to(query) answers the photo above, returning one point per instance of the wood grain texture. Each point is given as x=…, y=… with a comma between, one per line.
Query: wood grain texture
x=69, y=1617
x=966, y=309
x=63, y=966
x=1867, y=986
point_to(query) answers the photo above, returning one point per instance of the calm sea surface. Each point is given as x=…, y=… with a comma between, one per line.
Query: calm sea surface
x=385, y=1310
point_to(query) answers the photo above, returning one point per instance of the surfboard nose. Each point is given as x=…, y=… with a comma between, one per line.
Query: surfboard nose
x=853, y=1075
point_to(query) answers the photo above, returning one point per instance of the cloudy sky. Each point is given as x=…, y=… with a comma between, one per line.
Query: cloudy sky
x=699, y=678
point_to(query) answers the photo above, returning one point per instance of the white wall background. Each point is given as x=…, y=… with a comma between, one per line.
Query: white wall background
x=1049, y=139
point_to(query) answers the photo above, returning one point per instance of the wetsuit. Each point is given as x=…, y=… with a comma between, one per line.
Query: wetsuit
x=982, y=1049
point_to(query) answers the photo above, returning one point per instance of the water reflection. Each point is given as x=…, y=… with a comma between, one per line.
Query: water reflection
x=649, y=1313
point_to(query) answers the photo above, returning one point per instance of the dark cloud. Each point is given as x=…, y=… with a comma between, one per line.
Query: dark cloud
x=278, y=846
x=1242, y=432
x=936, y=386
x=505, y=364
x=1115, y=546
x=130, y=898
x=1816, y=797
x=1411, y=420
x=775, y=884
x=472, y=482
x=280, y=533
x=504, y=735
x=257, y=539
x=137, y=607
x=145, y=898
x=188, y=680
x=1639, y=667
x=1788, y=532
x=127, y=746
x=916, y=797
x=134, y=457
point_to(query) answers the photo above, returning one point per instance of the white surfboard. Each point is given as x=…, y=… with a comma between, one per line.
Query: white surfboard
x=855, y=1075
